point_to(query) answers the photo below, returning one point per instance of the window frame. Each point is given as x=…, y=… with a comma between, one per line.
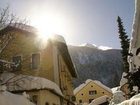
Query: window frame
x=19, y=68
x=92, y=92
x=32, y=67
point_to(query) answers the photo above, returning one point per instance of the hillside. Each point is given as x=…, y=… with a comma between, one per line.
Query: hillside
x=97, y=64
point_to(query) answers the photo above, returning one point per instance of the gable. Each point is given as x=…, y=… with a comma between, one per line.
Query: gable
x=93, y=85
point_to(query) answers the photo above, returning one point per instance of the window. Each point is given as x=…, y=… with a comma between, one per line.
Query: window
x=92, y=92
x=35, y=61
x=80, y=101
x=17, y=63
x=34, y=99
x=82, y=94
x=90, y=100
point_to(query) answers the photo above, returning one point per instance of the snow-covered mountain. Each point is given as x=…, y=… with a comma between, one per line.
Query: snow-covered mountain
x=97, y=64
x=95, y=46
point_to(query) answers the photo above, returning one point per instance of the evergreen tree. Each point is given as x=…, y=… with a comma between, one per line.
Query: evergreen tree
x=124, y=40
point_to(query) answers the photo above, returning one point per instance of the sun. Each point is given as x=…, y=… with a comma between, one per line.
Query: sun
x=49, y=25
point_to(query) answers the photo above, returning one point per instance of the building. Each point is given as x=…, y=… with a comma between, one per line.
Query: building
x=26, y=54
x=90, y=90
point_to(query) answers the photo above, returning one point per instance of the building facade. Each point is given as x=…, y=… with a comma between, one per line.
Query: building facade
x=91, y=90
x=20, y=45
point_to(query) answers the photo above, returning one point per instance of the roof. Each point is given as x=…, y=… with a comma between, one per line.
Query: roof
x=76, y=90
x=19, y=27
x=61, y=44
x=21, y=82
x=100, y=100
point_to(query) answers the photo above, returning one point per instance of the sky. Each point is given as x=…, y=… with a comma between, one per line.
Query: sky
x=79, y=21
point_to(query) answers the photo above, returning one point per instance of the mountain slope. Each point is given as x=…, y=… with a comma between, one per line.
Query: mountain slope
x=92, y=63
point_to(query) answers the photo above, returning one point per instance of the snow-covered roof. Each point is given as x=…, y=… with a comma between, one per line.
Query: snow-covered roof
x=115, y=89
x=99, y=100
x=76, y=90
x=7, y=98
x=25, y=82
x=58, y=38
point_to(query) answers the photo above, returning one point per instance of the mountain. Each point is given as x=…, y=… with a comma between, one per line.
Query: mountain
x=97, y=64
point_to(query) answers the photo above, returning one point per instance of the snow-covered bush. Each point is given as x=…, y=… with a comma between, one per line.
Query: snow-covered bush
x=117, y=98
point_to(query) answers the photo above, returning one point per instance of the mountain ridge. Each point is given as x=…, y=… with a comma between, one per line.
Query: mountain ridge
x=92, y=63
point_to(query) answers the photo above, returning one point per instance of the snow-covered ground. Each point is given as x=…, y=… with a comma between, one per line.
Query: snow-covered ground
x=117, y=98
x=135, y=100
x=7, y=98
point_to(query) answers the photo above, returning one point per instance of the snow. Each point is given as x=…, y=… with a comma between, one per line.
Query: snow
x=115, y=89
x=88, y=45
x=104, y=48
x=100, y=100
x=136, y=96
x=87, y=82
x=7, y=98
x=58, y=38
x=118, y=97
x=103, y=86
x=24, y=82
x=95, y=46
x=135, y=100
x=135, y=39
x=123, y=80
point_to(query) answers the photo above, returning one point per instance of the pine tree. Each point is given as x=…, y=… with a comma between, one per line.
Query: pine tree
x=124, y=40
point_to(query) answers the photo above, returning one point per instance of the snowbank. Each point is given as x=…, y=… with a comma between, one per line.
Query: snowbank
x=7, y=98
x=87, y=82
x=23, y=82
x=118, y=97
x=99, y=100
x=135, y=100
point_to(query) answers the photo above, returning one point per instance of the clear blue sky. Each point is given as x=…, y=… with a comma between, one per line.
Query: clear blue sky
x=86, y=21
